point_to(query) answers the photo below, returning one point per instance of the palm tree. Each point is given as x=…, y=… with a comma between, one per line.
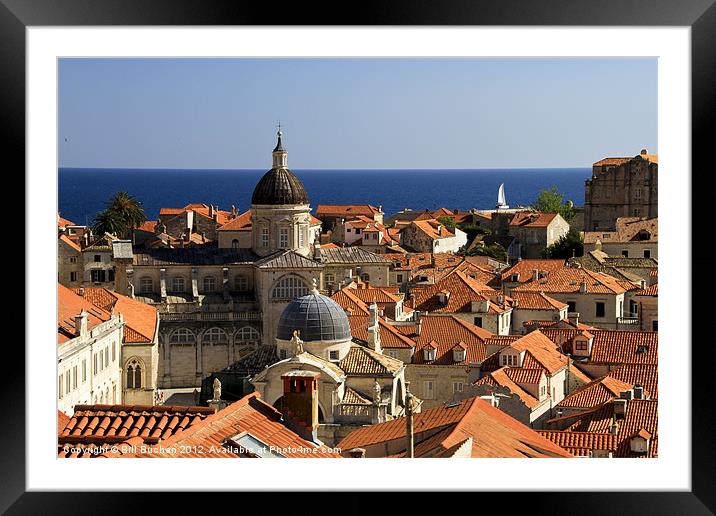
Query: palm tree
x=127, y=210
x=108, y=222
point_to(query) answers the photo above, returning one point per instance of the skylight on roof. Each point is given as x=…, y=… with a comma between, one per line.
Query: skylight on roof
x=246, y=444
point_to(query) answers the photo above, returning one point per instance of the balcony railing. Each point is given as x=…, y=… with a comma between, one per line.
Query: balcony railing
x=628, y=319
x=211, y=316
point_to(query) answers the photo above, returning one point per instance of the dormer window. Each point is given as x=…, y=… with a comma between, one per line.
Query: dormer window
x=510, y=360
x=458, y=355
x=429, y=354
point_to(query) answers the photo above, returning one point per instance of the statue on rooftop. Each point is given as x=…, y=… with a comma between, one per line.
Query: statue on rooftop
x=217, y=389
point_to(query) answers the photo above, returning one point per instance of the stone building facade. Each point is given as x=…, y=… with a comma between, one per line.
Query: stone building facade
x=621, y=187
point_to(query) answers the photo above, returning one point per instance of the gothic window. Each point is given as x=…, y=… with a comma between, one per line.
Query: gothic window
x=177, y=284
x=289, y=287
x=241, y=284
x=182, y=336
x=215, y=336
x=264, y=237
x=134, y=375
x=209, y=284
x=146, y=285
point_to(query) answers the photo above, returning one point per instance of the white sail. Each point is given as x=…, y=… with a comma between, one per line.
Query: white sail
x=501, y=203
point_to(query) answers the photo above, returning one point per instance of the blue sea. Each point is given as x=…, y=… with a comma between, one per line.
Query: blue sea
x=84, y=192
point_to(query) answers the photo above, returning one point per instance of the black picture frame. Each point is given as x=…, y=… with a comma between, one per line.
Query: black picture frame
x=700, y=15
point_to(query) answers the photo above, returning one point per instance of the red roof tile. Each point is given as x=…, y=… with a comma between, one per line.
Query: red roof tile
x=493, y=433
x=251, y=415
x=570, y=279
x=140, y=318
x=97, y=425
x=70, y=305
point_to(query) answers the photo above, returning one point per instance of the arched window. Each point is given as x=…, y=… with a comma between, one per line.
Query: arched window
x=241, y=284
x=215, y=336
x=134, y=374
x=234, y=244
x=247, y=335
x=182, y=336
x=177, y=284
x=146, y=285
x=209, y=284
x=289, y=287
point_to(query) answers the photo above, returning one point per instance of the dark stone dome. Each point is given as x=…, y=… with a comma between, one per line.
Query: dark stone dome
x=279, y=186
x=317, y=317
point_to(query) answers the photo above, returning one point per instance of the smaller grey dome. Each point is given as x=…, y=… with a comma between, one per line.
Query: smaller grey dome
x=317, y=317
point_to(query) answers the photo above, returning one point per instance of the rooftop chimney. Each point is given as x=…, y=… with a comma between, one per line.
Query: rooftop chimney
x=374, y=329
x=356, y=453
x=620, y=406
x=299, y=403
x=81, y=324
x=638, y=392
x=535, y=274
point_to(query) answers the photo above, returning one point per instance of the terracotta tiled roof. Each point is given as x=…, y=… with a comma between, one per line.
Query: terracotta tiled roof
x=461, y=291
x=351, y=303
x=540, y=351
x=62, y=222
x=652, y=290
x=595, y=393
x=507, y=377
x=610, y=162
x=240, y=223
x=525, y=269
x=96, y=425
x=502, y=340
x=363, y=361
x=390, y=338
x=62, y=420
x=345, y=210
x=148, y=226
x=612, y=346
x=430, y=228
x=628, y=229
x=69, y=305
x=569, y=280
x=646, y=375
x=74, y=245
x=537, y=301
x=581, y=444
x=639, y=415
x=493, y=433
x=447, y=331
x=369, y=294
x=251, y=415
x=527, y=219
x=352, y=397
x=140, y=318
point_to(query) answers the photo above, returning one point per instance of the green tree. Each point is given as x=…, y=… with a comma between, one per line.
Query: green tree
x=124, y=213
x=446, y=221
x=571, y=244
x=108, y=222
x=495, y=251
x=552, y=201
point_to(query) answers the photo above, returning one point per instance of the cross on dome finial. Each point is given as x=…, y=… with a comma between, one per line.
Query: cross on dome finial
x=279, y=128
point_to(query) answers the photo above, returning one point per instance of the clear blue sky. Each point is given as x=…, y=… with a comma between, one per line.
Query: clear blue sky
x=355, y=113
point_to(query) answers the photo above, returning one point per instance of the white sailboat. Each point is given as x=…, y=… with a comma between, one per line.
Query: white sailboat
x=501, y=204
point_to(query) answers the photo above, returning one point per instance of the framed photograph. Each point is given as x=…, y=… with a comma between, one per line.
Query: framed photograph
x=431, y=234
